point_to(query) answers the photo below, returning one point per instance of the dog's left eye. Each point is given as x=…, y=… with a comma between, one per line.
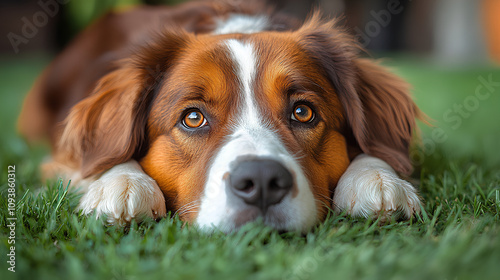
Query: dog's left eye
x=303, y=113
x=194, y=119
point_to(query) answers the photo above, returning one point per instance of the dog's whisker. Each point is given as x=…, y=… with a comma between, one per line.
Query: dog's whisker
x=187, y=207
x=327, y=197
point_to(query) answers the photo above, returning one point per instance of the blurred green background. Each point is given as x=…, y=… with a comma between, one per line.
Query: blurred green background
x=421, y=43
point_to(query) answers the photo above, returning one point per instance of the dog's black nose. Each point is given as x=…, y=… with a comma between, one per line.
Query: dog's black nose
x=260, y=182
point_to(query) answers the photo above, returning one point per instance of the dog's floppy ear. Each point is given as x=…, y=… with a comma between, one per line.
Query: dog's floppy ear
x=379, y=111
x=110, y=126
x=390, y=115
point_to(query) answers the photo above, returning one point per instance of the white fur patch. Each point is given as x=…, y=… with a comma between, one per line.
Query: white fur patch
x=239, y=23
x=252, y=137
x=122, y=193
x=244, y=56
x=370, y=187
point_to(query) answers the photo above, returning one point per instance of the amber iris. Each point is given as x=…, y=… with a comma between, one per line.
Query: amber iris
x=194, y=119
x=303, y=113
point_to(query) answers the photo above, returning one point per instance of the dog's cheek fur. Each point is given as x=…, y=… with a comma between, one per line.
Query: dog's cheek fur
x=325, y=169
x=177, y=176
x=179, y=165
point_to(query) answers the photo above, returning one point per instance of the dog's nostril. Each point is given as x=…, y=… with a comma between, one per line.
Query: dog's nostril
x=260, y=182
x=277, y=185
x=245, y=186
x=273, y=185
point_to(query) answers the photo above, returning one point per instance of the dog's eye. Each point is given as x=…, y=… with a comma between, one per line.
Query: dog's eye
x=194, y=119
x=302, y=113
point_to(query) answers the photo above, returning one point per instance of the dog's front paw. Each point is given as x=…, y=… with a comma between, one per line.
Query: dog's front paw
x=371, y=188
x=123, y=193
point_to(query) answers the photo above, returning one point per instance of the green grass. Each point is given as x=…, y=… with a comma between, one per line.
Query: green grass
x=457, y=236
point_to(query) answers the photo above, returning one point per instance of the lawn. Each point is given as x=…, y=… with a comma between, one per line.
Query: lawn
x=457, y=236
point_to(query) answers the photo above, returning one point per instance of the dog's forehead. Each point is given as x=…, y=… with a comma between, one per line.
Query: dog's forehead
x=271, y=57
x=224, y=71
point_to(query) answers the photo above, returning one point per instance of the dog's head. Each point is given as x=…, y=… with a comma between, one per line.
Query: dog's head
x=240, y=126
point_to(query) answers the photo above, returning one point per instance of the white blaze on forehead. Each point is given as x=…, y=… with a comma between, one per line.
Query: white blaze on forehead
x=251, y=135
x=243, y=56
x=239, y=23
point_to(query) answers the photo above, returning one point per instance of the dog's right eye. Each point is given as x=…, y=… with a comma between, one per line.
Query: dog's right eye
x=194, y=119
x=303, y=113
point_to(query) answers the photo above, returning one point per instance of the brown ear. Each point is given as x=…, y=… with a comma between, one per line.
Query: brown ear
x=389, y=113
x=379, y=111
x=104, y=129
x=110, y=126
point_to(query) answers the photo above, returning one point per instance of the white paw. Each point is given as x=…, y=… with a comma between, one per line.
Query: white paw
x=123, y=193
x=371, y=188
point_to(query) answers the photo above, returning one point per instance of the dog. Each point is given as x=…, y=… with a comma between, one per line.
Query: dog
x=225, y=113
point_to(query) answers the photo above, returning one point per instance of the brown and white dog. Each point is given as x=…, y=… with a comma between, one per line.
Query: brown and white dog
x=225, y=113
